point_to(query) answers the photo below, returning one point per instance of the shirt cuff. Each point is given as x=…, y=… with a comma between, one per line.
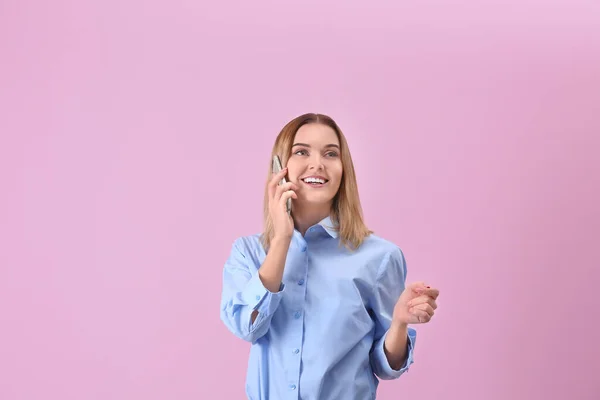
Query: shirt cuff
x=260, y=299
x=383, y=368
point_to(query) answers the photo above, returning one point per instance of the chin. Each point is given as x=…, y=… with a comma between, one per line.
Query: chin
x=317, y=200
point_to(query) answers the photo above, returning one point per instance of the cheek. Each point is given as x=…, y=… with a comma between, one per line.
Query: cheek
x=293, y=172
x=337, y=172
x=292, y=177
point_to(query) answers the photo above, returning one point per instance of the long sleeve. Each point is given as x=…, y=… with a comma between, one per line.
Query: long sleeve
x=389, y=285
x=242, y=294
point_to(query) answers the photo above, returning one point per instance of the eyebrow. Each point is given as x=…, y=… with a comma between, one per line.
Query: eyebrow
x=308, y=145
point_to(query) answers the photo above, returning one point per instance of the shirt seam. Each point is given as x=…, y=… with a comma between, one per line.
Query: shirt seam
x=380, y=269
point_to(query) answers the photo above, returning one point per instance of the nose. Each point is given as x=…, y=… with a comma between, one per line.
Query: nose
x=316, y=162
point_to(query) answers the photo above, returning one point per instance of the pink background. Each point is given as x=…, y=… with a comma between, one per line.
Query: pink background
x=135, y=136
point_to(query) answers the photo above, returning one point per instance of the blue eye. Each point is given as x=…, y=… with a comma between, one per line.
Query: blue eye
x=332, y=154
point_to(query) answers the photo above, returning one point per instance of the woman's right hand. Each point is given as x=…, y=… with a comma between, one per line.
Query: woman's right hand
x=283, y=224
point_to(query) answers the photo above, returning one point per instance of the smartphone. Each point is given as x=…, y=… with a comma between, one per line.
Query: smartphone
x=276, y=168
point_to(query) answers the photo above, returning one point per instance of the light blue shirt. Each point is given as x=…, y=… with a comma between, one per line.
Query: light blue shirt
x=321, y=336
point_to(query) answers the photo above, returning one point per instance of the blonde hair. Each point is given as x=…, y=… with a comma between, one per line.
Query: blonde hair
x=346, y=211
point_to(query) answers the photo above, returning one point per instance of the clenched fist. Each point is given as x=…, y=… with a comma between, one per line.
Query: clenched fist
x=416, y=304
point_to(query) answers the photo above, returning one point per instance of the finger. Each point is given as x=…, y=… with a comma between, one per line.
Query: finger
x=422, y=289
x=421, y=316
x=423, y=299
x=424, y=318
x=289, y=194
x=416, y=287
x=282, y=204
x=422, y=309
x=428, y=300
x=431, y=292
x=432, y=303
x=283, y=188
x=275, y=179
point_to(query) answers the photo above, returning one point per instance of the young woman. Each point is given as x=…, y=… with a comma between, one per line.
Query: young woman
x=320, y=297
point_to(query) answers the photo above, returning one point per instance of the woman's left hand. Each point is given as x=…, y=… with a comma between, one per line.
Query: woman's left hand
x=416, y=304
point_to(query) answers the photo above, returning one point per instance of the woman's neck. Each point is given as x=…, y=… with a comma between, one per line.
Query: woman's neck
x=305, y=217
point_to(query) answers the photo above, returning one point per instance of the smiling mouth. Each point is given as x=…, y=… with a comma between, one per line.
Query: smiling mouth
x=315, y=182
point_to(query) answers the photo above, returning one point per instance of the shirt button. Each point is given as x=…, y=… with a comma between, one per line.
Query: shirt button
x=303, y=249
x=301, y=282
x=296, y=351
x=293, y=387
x=257, y=297
x=297, y=314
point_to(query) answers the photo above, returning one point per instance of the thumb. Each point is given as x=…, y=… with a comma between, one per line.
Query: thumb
x=417, y=287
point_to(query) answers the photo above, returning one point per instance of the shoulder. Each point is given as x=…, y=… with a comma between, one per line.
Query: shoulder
x=381, y=247
x=247, y=242
x=248, y=247
x=388, y=255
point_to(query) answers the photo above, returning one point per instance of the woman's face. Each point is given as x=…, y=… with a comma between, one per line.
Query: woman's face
x=315, y=164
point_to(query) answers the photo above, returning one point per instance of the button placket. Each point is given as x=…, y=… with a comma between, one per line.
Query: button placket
x=300, y=271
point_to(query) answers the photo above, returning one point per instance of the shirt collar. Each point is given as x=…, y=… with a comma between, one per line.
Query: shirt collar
x=329, y=226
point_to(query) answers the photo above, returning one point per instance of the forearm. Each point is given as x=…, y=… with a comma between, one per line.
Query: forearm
x=395, y=346
x=271, y=271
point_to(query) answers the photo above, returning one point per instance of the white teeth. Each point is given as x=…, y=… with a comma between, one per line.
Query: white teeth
x=314, y=180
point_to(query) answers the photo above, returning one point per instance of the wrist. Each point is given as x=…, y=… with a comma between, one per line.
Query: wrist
x=283, y=241
x=399, y=325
